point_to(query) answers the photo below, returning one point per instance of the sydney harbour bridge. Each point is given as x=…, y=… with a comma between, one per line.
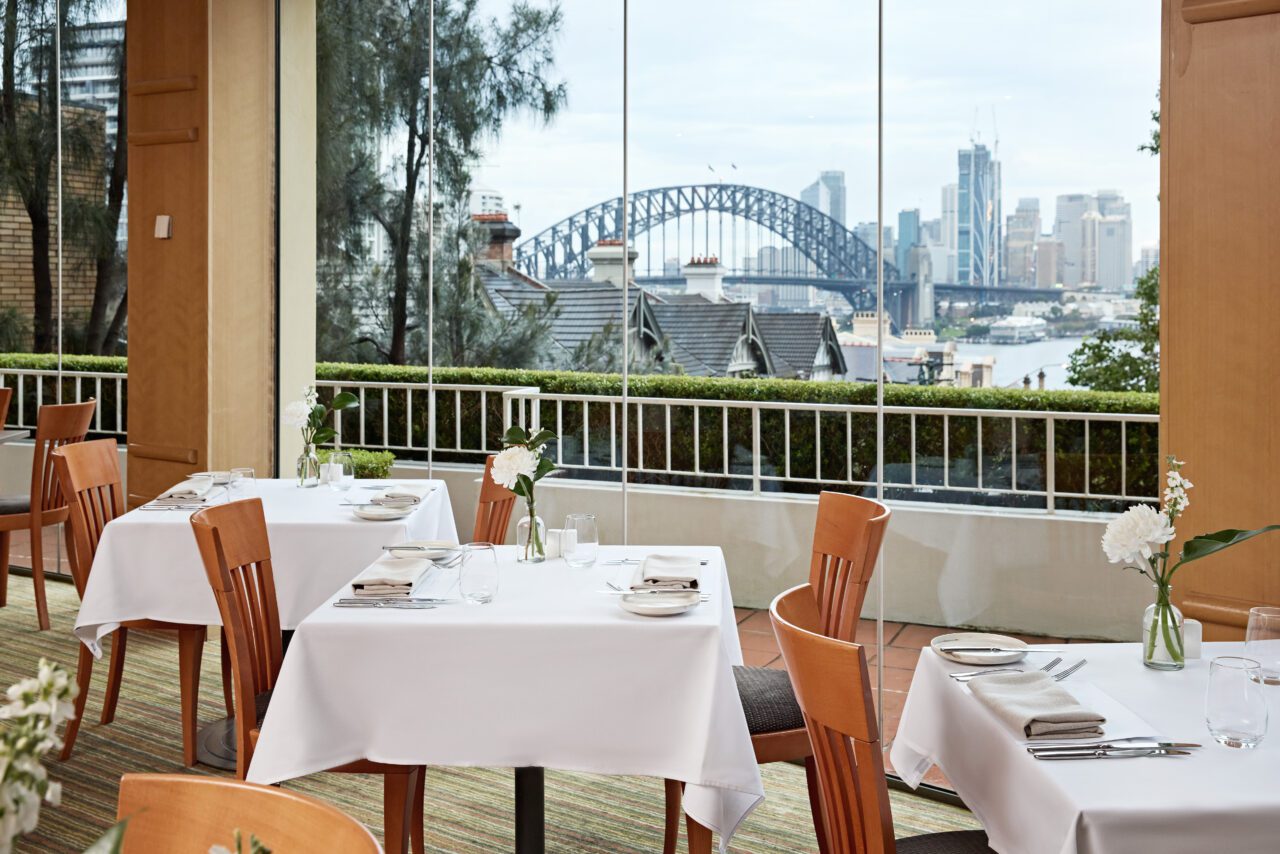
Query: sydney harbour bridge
x=687, y=221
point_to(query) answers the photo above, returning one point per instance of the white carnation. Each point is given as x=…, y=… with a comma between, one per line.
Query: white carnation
x=513, y=462
x=297, y=414
x=1136, y=534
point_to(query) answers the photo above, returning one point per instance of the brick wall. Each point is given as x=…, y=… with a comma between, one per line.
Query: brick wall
x=82, y=180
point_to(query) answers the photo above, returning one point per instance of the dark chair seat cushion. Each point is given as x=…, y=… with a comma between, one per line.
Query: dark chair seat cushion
x=954, y=842
x=767, y=700
x=260, y=703
x=12, y=505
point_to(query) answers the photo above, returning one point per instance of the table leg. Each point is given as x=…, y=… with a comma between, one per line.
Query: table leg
x=531, y=835
x=216, y=742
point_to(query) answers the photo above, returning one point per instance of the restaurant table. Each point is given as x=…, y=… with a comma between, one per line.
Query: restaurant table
x=148, y=567
x=552, y=674
x=1217, y=799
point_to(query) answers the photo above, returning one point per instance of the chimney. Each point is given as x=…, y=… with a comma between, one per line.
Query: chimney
x=502, y=236
x=704, y=276
x=606, y=261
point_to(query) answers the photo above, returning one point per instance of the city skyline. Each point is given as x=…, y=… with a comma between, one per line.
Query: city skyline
x=758, y=103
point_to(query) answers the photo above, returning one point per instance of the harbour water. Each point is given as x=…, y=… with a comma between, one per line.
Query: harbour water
x=1015, y=361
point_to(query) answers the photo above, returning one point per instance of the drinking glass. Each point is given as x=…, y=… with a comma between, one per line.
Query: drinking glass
x=1262, y=642
x=478, y=574
x=342, y=471
x=1235, y=707
x=581, y=539
x=242, y=480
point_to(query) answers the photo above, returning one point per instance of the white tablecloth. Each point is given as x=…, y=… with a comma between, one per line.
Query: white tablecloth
x=148, y=567
x=1218, y=800
x=552, y=673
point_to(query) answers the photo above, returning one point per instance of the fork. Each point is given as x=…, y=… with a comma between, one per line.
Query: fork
x=1058, y=677
x=615, y=590
x=966, y=676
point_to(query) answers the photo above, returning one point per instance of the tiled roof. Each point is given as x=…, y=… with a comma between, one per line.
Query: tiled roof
x=795, y=338
x=707, y=332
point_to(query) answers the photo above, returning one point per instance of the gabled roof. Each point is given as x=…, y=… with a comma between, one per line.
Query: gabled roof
x=710, y=331
x=796, y=337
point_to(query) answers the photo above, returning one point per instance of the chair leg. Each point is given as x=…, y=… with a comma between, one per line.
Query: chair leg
x=115, y=673
x=815, y=803
x=396, y=789
x=699, y=836
x=675, y=794
x=84, y=675
x=190, y=652
x=4, y=567
x=37, y=576
x=228, y=686
x=417, y=834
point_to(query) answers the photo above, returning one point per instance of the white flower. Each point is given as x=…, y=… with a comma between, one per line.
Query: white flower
x=1134, y=535
x=513, y=462
x=297, y=414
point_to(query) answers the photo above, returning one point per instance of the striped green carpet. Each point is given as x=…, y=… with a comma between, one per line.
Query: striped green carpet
x=468, y=810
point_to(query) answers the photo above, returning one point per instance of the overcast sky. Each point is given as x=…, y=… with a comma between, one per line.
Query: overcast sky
x=784, y=90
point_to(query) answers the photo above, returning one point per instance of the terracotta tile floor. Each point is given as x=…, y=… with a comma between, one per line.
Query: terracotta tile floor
x=903, y=642
x=20, y=550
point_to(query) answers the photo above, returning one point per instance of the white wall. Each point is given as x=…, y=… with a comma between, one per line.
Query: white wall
x=1013, y=572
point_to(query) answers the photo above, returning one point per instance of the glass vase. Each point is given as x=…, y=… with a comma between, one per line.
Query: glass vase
x=531, y=538
x=308, y=468
x=1162, y=647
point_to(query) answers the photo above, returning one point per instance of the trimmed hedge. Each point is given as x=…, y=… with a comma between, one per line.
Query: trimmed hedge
x=49, y=362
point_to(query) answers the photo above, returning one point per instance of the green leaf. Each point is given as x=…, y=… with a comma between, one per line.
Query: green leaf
x=1209, y=544
x=110, y=842
x=515, y=435
x=545, y=467
x=345, y=400
x=523, y=486
x=324, y=434
x=542, y=437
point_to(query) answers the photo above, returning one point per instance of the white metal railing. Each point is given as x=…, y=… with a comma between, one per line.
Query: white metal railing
x=33, y=388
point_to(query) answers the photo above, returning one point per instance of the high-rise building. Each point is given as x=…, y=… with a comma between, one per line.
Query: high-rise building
x=1115, y=253
x=1048, y=262
x=866, y=232
x=950, y=232
x=978, y=220
x=1148, y=259
x=1068, y=228
x=1021, y=234
x=826, y=194
x=90, y=71
x=908, y=236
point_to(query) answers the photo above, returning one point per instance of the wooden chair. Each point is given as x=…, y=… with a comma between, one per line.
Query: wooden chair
x=846, y=545
x=90, y=476
x=56, y=425
x=186, y=814
x=233, y=544
x=493, y=511
x=833, y=687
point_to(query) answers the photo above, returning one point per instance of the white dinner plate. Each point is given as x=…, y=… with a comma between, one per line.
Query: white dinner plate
x=980, y=639
x=659, y=604
x=219, y=478
x=378, y=513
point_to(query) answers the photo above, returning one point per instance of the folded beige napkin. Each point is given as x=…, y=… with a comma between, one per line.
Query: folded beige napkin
x=190, y=491
x=390, y=576
x=1036, y=706
x=667, y=572
x=403, y=494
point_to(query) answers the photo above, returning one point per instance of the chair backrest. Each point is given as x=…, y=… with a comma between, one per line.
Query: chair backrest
x=833, y=687
x=57, y=424
x=6, y=395
x=493, y=511
x=232, y=539
x=846, y=545
x=187, y=814
x=90, y=476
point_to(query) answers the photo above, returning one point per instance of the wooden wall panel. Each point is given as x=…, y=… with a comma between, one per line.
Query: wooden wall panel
x=168, y=279
x=1220, y=216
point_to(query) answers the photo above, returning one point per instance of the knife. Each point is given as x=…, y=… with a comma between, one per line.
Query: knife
x=1128, y=745
x=993, y=649
x=360, y=600
x=408, y=606
x=1114, y=753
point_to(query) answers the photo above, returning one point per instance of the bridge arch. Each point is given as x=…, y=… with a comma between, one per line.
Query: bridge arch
x=560, y=252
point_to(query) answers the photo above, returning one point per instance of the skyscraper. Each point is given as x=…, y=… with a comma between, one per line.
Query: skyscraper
x=908, y=236
x=1020, y=243
x=978, y=221
x=826, y=194
x=950, y=237
x=1068, y=228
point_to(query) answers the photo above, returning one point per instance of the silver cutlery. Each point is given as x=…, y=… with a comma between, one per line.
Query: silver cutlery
x=615, y=590
x=434, y=600
x=1058, y=677
x=380, y=603
x=1136, y=743
x=172, y=507
x=966, y=676
x=630, y=560
x=972, y=649
x=1120, y=753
